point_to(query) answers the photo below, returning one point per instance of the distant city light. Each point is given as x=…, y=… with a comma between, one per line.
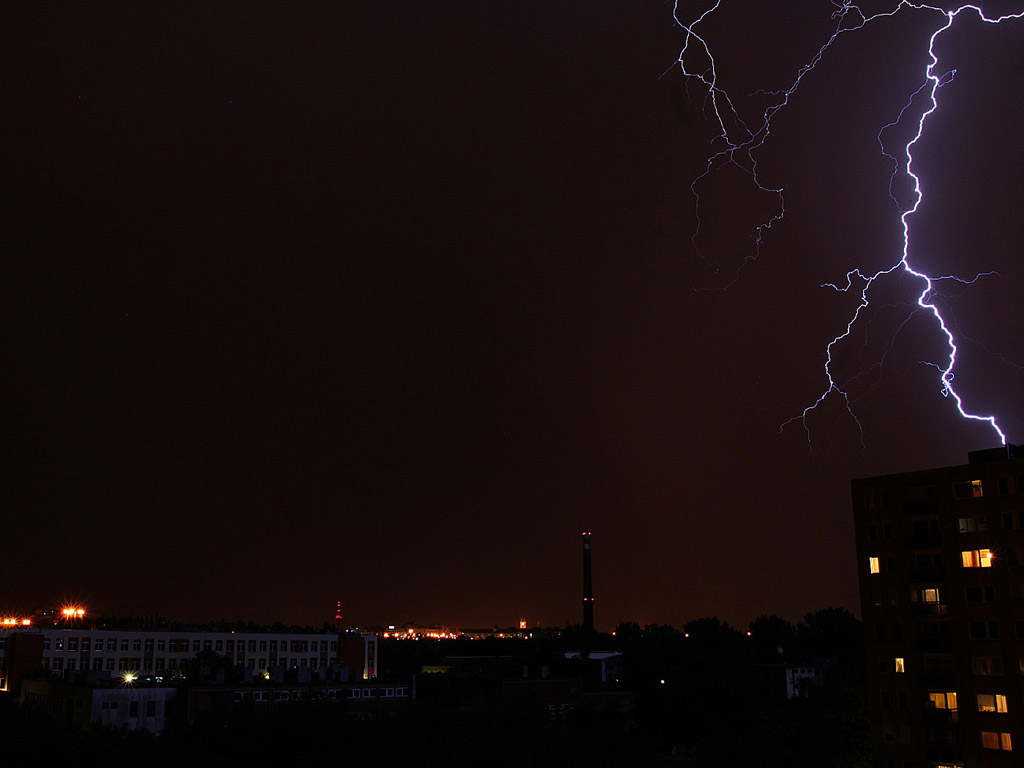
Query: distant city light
x=72, y=612
x=129, y=678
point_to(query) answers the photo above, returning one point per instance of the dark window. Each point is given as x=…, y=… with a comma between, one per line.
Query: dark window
x=872, y=533
x=887, y=530
x=897, y=631
x=979, y=630
x=880, y=631
x=921, y=492
x=982, y=594
x=133, y=709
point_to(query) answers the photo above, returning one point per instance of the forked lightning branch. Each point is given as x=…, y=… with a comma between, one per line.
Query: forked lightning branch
x=738, y=138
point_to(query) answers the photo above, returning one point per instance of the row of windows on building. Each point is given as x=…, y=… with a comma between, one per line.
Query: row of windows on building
x=113, y=644
x=1011, y=521
x=133, y=707
x=999, y=740
x=965, y=489
x=973, y=593
x=969, y=558
x=947, y=700
x=982, y=666
x=128, y=664
x=976, y=630
x=264, y=697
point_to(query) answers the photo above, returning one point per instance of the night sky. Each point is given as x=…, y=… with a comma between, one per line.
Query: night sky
x=387, y=302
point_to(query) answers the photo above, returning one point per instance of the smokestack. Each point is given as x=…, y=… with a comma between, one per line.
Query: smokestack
x=588, y=587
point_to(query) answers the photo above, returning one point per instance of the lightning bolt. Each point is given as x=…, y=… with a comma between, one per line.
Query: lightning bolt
x=735, y=144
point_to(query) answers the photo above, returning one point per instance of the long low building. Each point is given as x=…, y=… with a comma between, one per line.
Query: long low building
x=114, y=653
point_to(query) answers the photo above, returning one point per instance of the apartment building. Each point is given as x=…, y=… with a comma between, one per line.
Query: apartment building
x=941, y=570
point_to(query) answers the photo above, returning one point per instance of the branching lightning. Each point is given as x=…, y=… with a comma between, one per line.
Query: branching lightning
x=736, y=142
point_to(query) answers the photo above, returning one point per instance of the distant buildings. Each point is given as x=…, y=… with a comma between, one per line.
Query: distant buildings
x=156, y=653
x=128, y=677
x=941, y=560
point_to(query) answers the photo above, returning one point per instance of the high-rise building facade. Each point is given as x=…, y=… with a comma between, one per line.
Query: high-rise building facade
x=940, y=554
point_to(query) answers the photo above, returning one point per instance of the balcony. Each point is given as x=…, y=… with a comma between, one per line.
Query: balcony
x=937, y=678
x=929, y=540
x=929, y=609
x=926, y=507
x=941, y=719
x=949, y=754
x=937, y=644
x=927, y=574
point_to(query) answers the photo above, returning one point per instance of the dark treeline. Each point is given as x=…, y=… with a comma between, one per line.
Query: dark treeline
x=705, y=696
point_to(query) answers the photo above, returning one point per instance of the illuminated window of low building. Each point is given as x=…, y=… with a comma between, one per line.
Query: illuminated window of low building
x=977, y=558
x=873, y=565
x=992, y=702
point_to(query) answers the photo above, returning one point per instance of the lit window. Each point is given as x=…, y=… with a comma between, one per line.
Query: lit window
x=873, y=564
x=968, y=490
x=925, y=595
x=994, y=740
x=992, y=702
x=943, y=700
x=972, y=524
x=898, y=663
x=977, y=558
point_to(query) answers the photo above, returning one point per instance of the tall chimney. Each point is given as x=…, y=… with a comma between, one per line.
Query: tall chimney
x=588, y=587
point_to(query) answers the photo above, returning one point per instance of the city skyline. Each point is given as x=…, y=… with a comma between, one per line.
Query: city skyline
x=387, y=305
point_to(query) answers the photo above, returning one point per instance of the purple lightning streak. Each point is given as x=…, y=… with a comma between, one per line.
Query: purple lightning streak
x=736, y=142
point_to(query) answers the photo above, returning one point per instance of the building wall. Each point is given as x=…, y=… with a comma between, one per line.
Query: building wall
x=941, y=571
x=359, y=653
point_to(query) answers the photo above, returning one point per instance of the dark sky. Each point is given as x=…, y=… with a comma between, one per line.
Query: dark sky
x=386, y=302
